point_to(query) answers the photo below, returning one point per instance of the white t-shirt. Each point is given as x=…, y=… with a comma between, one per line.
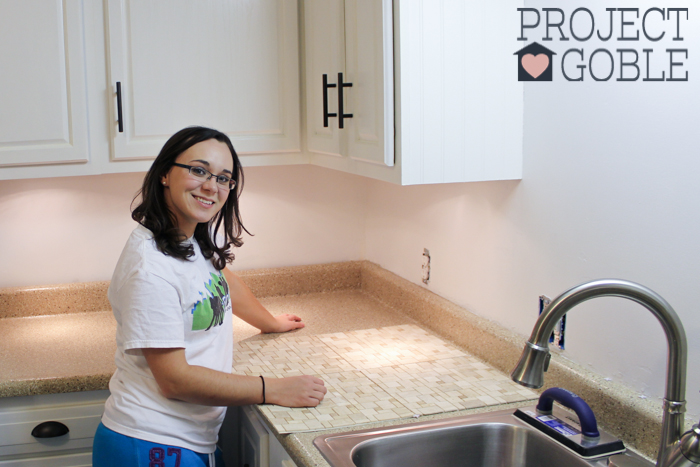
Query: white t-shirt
x=163, y=302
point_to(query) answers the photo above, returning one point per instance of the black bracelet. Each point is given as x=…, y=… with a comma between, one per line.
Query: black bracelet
x=263, y=381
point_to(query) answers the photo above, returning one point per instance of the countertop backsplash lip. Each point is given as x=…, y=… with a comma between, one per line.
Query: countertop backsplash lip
x=618, y=408
x=80, y=297
x=83, y=297
x=297, y=280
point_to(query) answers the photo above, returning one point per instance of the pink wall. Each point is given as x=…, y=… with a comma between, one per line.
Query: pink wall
x=72, y=229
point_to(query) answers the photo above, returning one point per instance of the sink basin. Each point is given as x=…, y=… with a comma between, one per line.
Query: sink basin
x=495, y=439
x=486, y=444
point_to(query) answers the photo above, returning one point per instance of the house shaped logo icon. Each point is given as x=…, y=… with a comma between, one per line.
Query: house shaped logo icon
x=534, y=63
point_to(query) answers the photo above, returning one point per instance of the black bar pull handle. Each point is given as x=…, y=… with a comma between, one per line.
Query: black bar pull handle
x=120, y=117
x=342, y=115
x=325, y=101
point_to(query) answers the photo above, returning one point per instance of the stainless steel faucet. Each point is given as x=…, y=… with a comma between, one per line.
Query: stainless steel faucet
x=673, y=452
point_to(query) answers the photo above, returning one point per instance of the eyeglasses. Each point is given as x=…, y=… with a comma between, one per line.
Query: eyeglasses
x=200, y=173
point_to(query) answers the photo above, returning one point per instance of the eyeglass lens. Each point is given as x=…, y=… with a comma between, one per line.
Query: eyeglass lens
x=203, y=174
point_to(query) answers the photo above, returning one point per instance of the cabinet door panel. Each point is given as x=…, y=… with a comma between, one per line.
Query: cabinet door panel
x=229, y=65
x=325, y=54
x=81, y=420
x=79, y=411
x=461, y=109
x=42, y=84
x=369, y=67
x=255, y=439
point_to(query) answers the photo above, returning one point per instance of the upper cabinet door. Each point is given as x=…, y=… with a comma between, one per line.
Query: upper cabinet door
x=353, y=38
x=369, y=66
x=324, y=26
x=460, y=109
x=433, y=98
x=228, y=65
x=43, y=110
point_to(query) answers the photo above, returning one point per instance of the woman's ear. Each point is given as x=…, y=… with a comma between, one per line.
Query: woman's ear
x=164, y=180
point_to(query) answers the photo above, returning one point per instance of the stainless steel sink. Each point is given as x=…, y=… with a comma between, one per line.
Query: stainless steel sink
x=495, y=439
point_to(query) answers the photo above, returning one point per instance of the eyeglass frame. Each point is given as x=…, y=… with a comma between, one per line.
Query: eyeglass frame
x=231, y=181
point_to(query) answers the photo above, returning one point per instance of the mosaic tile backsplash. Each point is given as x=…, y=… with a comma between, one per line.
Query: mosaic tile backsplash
x=375, y=375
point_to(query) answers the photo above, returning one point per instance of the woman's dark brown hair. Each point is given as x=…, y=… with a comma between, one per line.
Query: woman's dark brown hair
x=153, y=213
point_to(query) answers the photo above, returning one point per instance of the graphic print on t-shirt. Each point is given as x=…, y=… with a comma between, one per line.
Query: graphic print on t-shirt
x=210, y=311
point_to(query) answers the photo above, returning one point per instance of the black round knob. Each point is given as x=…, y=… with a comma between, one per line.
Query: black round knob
x=49, y=430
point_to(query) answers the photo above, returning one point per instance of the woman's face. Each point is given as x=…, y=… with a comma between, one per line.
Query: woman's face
x=190, y=200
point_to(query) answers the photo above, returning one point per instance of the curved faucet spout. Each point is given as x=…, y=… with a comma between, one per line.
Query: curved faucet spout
x=535, y=357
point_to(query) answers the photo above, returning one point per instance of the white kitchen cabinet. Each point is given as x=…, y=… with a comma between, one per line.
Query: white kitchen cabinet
x=434, y=95
x=460, y=111
x=43, y=107
x=228, y=65
x=231, y=65
x=457, y=108
x=80, y=412
x=247, y=441
x=278, y=455
x=349, y=116
x=255, y=440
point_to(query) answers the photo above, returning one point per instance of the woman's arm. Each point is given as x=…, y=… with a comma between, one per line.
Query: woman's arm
x=179, y=380
x=249, y=309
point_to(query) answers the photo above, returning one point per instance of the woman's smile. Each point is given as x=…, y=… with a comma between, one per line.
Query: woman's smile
x=205, y=202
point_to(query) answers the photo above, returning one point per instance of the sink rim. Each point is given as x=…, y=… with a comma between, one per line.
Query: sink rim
x=338, y=448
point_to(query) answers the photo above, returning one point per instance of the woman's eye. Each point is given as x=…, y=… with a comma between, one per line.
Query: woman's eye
x=223, y=179
x=198, y=171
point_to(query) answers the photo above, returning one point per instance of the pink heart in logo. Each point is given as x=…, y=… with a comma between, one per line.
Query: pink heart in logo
x=535, y=64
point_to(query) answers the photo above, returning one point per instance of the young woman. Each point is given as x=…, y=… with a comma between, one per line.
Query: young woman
x=173, y=299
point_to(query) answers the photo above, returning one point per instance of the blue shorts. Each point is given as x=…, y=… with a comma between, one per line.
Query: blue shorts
x=112, y=449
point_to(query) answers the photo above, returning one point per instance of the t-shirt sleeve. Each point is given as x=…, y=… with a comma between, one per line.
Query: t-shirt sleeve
x=149, y=313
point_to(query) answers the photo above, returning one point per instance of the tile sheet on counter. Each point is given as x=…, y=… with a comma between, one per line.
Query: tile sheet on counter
x=375, y=375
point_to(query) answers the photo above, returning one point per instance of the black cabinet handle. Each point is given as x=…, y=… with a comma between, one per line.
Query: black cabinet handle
x=342, y=115
x=120, y=118
x=325, y=101
x=50, y=430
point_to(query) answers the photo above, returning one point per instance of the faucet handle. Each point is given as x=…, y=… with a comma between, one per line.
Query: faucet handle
x=686, y=453
x=690, y=445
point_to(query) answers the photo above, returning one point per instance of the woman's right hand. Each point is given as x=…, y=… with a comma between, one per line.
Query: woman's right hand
x=295, y=391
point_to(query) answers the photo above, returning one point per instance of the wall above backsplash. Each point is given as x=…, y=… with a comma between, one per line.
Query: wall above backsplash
x=72, y=229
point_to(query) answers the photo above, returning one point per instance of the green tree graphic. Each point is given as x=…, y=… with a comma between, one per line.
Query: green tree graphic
x=210, y=311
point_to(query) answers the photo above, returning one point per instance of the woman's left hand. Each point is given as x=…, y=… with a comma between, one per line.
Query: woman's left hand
x=287, y=322
x=249, y=309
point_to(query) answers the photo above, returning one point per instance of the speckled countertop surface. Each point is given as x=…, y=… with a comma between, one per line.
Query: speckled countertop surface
x=49, y=344
x=60, y=338
x=56, y=353
x=75, y=351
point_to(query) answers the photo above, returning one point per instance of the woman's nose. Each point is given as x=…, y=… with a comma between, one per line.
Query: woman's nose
x=210, y=183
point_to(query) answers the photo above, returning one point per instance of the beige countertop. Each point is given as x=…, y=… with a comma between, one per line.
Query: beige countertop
x=75, y=351
x=47, y=345
x=56, y=353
